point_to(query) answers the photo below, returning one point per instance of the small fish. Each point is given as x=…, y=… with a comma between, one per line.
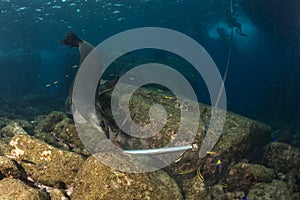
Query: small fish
x=199, y=175
x=212, y=153
x=55, y=82
x=118, y=4
x=121, y=18
x=168, y=97
x=177, y=160
x=48, y=85
x=219, y=165
x=187, y=171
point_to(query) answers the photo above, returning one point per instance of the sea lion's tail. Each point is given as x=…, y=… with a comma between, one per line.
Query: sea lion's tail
x=71, y=40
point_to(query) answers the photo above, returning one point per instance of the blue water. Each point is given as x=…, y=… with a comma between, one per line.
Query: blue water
x=263, y=79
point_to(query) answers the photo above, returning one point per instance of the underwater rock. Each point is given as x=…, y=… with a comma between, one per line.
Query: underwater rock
x=56, y=194
x=217, y=192
x=44, y=163
x=3, y=122
x=97, y=181
x=243, y=175
x=8, y=168
x=48, y=123
x=65, y=130
x=282, y=157
x=241, y=137
x=4, y=146
x=276, y=190
x=12, y=129
x=293, y=179
x=59, y=130
x=16, y=189
x=194, y=189
x=27, y=126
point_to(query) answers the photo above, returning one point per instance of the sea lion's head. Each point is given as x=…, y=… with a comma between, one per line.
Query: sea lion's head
x=71, y=40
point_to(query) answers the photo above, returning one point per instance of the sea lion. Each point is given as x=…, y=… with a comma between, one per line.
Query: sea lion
x=72, y=40
x=85, y=48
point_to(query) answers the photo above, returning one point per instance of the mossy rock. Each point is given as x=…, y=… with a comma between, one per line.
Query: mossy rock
x=66, y=131
x=47, y=123
x=3, y=122
x=194, y=189
x=43, y=162
x=12, y=129
x=16, y=189
x=243, y=175
x=97, y=181
x=241, y=137
x=282, y=157
x=8, y=168
x=57, y=194
x=4, y=145
x=27, y=126
x=277, y=190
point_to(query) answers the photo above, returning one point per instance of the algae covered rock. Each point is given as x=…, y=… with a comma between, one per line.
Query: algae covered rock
x=12, y=129
x=277, y=190
x=282, y=157
x=97, y=181
x=4, y=145
x=194, y=189
x=243, y=175
x=65, y=130
x=58, y=130
x=3, y=122
x=16, y=189
x=48, y=123
x=56, y=194
x=241, y=137
x=27, y=126
x=217, y=192
x=8, y=168
x=44, y=163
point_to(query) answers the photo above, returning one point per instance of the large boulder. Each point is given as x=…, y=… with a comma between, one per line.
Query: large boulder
x=97, y=181
x=44, y=163
x=282, y=157
x=47, y=123
x=8, y=168
x=243, y=175
x=16, y=189
x=12, y=129
x=58, y=130
x=277, y=190
x=241, y=137
x=194, y=189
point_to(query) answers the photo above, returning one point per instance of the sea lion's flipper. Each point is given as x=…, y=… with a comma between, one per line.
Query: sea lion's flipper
x=71, y=40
